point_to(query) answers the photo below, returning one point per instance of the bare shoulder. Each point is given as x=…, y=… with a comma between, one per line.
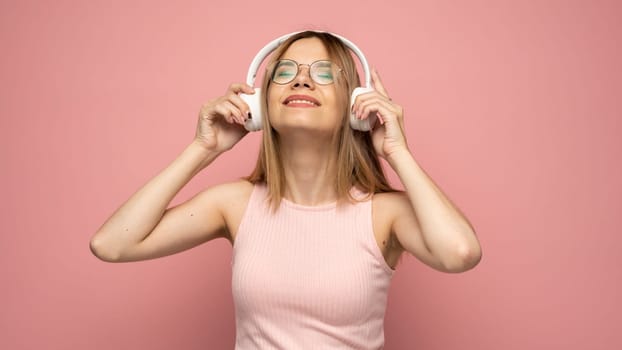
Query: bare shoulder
x=232, y=191
x=388, y=207
x=232, y=198
x=391, y=204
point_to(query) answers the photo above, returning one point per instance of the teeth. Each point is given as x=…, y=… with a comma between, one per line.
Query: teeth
x=301, y=101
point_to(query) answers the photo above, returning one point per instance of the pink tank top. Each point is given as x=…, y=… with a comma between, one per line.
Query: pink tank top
x=308, y=277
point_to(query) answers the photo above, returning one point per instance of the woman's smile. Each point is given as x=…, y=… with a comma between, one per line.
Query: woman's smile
x=303, y=101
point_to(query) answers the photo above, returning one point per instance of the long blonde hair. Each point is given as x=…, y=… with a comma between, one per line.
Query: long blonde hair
x=357, y=162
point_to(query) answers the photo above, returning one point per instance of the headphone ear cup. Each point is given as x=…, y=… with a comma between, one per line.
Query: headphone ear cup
x=254, y=104
x=361, y=124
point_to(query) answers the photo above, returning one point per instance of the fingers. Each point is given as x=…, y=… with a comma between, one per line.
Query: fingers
x=229, y=112
x=377, y=83
x=241, y=107
x=233, y=95
x=374, y=101
x=230, y=106
x=379, y=105
x=238, y=88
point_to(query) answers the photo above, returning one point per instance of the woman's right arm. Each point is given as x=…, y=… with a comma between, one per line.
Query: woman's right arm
x=143, y=228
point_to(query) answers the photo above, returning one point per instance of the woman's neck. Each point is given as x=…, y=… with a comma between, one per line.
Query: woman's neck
x=310, y=167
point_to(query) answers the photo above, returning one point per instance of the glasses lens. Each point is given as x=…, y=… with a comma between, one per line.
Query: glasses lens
x=322, y=72
x=285, y=71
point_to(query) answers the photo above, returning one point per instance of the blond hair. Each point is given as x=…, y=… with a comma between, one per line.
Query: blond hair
x=357, y=162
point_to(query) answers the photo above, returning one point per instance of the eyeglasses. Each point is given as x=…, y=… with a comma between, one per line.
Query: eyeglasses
x=321, y=72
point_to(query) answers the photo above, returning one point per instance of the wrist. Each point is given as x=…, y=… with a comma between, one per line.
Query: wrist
x=398, y=156
x=199, y=151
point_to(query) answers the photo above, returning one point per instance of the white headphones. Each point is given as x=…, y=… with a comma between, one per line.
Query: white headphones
x=254, y=101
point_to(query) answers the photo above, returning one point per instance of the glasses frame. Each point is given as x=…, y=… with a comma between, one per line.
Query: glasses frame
x=335, y=67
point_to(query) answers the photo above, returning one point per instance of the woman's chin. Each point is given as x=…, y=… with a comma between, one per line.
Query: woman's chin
x=300, y=128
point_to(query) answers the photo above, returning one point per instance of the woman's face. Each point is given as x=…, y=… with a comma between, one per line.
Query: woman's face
x=303, y=103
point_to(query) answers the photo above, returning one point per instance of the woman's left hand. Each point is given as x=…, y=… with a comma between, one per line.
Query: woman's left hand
x=388, y=133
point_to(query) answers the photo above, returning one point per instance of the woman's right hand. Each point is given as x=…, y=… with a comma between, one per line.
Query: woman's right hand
x=221, y=120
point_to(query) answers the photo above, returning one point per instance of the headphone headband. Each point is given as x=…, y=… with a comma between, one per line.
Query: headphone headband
x=271, y=46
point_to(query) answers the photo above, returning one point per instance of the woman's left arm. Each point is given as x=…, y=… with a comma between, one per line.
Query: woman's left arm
x=446, y=232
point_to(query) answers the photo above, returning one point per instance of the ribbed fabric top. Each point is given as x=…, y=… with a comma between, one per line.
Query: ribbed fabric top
x=308, y=277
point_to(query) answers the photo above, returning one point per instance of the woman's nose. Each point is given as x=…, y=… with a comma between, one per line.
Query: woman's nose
x=303, y=78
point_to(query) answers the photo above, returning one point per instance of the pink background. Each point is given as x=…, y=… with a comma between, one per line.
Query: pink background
x=513, y=107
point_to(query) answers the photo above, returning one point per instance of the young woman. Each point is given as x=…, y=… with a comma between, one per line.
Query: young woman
x=316, y=230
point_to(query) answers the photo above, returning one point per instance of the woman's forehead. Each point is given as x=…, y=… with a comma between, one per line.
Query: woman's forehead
x=306, y=51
